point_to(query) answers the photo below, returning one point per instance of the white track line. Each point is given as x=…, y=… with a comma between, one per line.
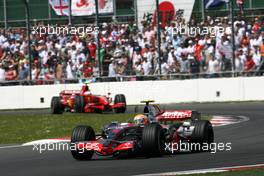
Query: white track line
x=45, y=141
x=218, y=120
x=204, y=171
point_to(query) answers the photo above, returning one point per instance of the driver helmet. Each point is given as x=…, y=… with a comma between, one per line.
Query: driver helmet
x=141, y=119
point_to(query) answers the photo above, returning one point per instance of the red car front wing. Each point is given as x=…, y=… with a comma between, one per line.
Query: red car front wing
x=99, y=148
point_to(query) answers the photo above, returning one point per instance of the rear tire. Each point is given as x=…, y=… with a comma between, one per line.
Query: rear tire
x=153, y=140
x=79, y=104
x=56, y=106
x=120, y=98
x=82, y=133
x=203, y=133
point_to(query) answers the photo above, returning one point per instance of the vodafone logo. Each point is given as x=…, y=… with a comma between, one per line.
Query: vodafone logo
x=176, y=114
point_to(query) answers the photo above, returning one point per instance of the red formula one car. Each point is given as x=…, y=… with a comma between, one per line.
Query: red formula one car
x=84, y=101
x=148, y=135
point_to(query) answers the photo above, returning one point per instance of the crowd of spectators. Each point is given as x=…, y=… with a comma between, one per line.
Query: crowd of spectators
x=128, y=49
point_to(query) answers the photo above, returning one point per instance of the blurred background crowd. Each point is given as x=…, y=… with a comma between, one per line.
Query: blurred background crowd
x=127, y=49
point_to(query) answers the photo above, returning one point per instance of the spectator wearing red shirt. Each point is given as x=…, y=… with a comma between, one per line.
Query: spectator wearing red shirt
x=87, y=70
x=245, y=41
x=198, y=51
x=256, y=26
x=262, y=49
x=249, y=64
x=11, y=74
x=92, y=49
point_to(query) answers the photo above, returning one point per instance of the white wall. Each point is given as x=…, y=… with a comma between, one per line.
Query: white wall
x=197, y=90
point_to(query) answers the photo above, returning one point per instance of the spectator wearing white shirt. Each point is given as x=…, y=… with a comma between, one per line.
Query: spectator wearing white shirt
x=137, y=57
x=165, y=68
x=43, y=54
x=185, y=65
x=146, y=66
x=34, y=72
x=239, y=62
x=69, y=71
x=2, y=39
x=213, y=66
x=148, y=54
x=112, y=68
x=256, y=55
x=179, y=52
x=140, y=41
x=171, y=57
x=73, y=55
x=138, y=69
x=190, y=48
x=2, y=72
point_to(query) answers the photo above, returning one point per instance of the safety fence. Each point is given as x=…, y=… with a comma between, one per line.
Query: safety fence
x=123, y=78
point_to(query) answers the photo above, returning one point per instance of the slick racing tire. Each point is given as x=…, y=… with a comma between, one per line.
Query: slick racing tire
x=153, y=140
x=82, y=133
x=79, y=104
x=203, y=134
x=120, y=98
x=56, y=106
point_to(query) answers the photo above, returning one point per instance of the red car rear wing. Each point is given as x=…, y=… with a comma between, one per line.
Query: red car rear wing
x=70, y=92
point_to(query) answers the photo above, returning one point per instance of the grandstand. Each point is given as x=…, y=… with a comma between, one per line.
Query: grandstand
x=128, y=47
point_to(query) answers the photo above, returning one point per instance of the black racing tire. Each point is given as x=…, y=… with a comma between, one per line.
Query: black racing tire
x=120, y=98
x=82, y=133
x=153, y=140
x=79, y=104
x=56, y=106
x=203, y=134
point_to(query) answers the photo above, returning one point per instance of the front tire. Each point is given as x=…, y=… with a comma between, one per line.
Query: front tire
x=120, y=98
x=82, y=133
x=56, y=106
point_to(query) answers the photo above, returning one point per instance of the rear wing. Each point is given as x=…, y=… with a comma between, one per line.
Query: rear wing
x=179, y=115
x=70, y=92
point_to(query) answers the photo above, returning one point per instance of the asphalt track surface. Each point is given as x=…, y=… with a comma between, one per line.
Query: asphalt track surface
x=247, y=148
